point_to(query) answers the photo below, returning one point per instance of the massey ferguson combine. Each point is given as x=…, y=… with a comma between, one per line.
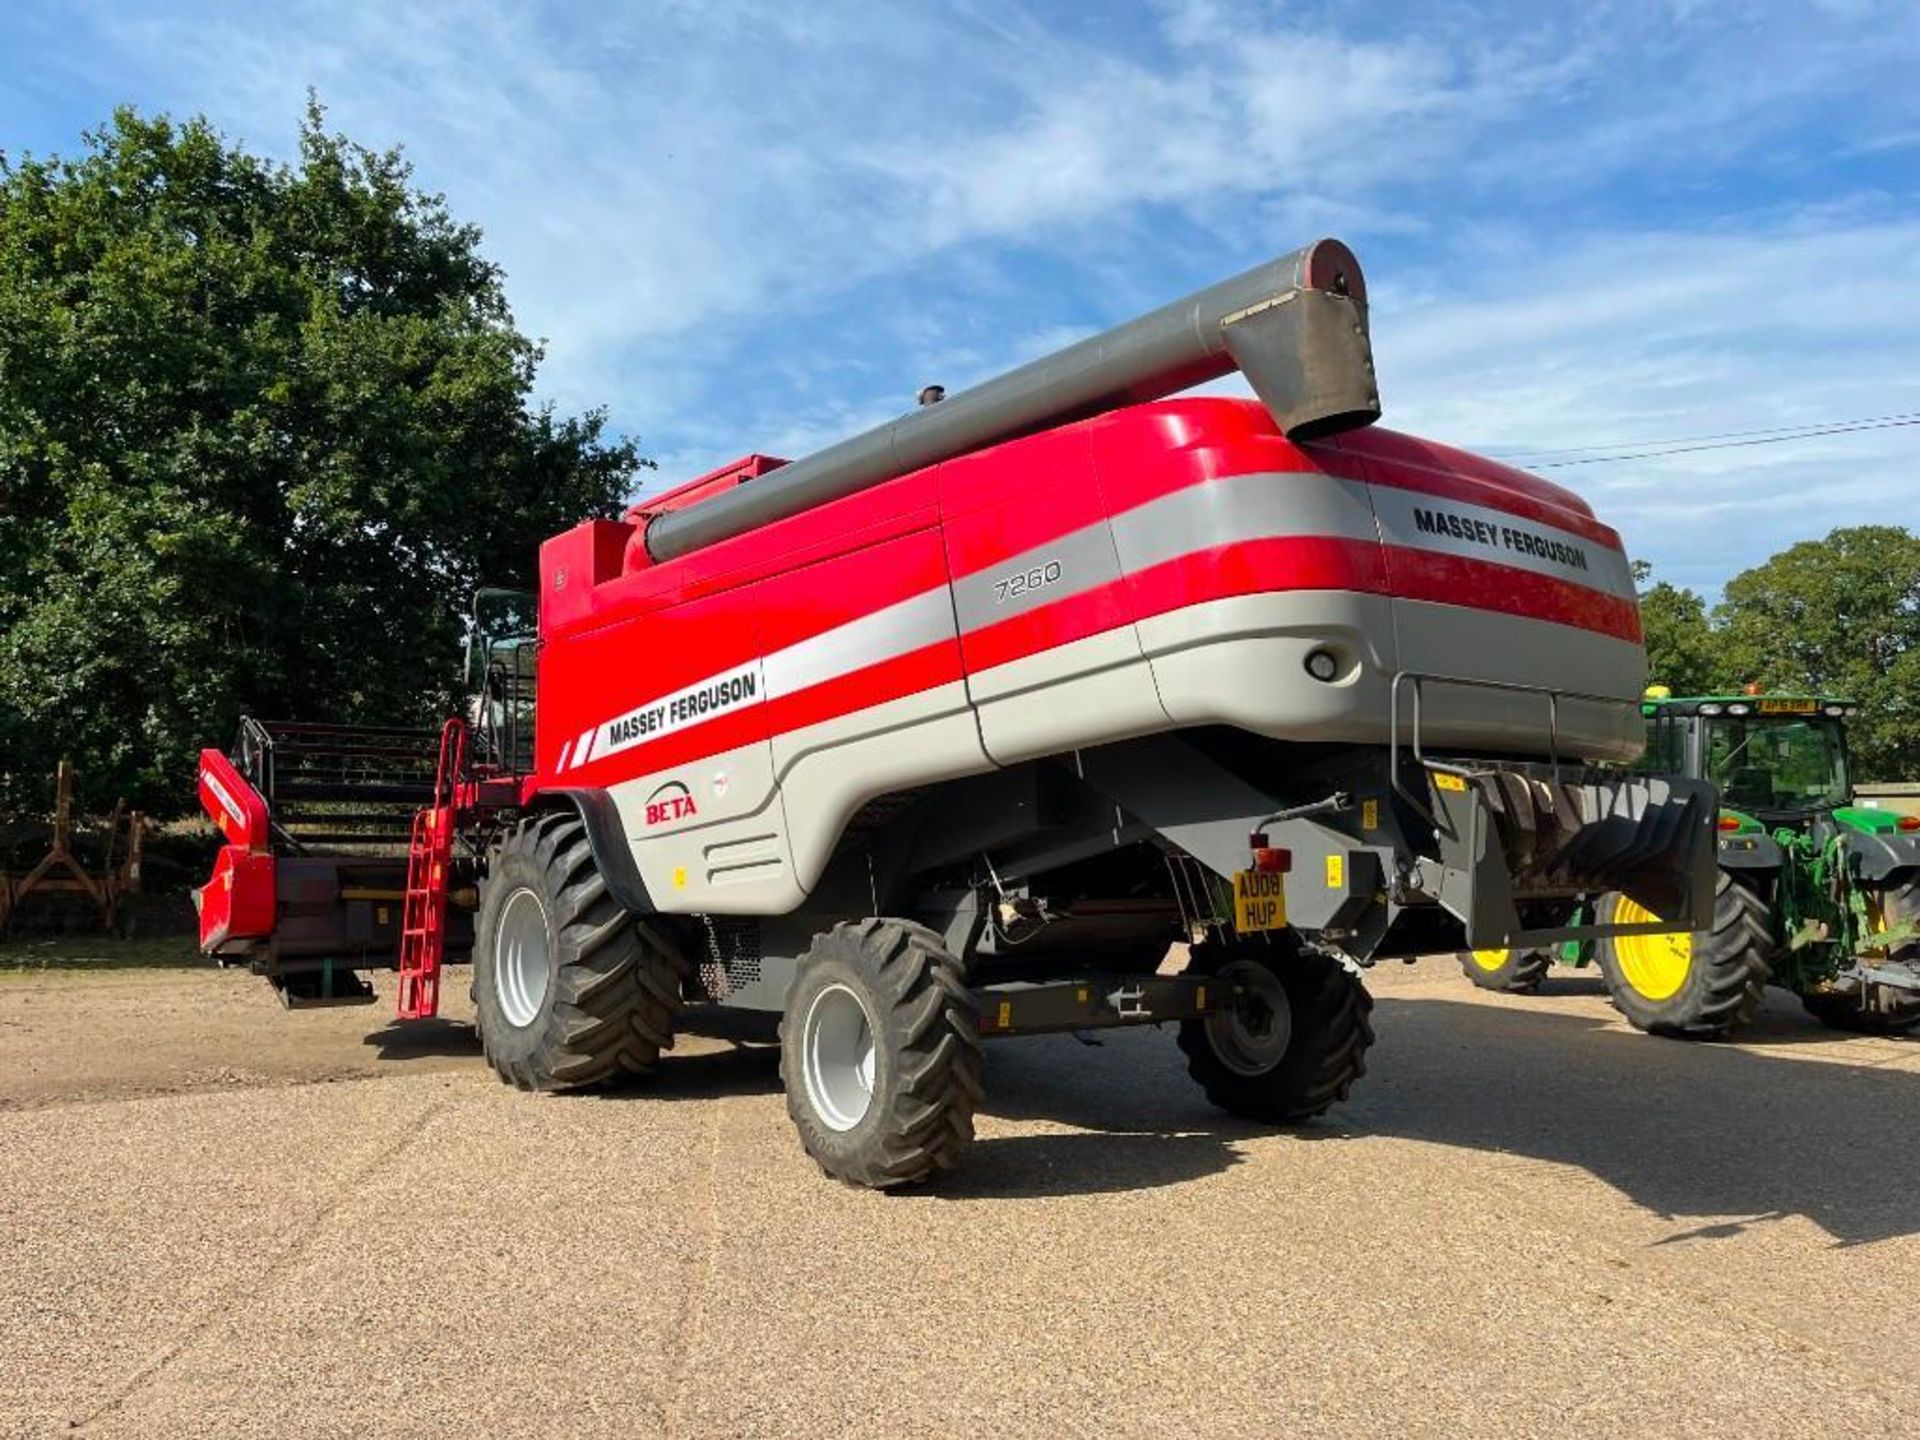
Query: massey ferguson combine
x=946, y=733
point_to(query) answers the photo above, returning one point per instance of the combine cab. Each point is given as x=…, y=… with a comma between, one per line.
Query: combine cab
x=1815, y=894
x=950, y=731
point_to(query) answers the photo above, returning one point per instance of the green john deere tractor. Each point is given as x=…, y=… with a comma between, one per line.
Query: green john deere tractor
x=1816, y=895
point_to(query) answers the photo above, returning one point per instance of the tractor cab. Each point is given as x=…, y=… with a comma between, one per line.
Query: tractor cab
x=1815, y=894
x=1778, y=760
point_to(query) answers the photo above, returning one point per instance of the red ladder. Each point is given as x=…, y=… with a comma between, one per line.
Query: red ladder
x=423, y=916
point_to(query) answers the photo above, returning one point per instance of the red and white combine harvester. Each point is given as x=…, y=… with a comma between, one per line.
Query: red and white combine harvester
x=949, y=731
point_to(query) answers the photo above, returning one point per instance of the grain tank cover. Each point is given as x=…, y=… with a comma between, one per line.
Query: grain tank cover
x=1296, y=327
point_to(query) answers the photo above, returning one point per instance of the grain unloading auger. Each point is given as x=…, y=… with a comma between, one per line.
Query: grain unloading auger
x=949, y=731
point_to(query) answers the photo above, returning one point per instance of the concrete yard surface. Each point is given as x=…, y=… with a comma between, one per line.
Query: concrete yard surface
x=221, y=1219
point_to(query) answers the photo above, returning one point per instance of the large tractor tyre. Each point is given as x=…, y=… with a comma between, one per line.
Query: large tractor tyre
x=880, y=1053
x=570, y=988
x=1289, y=1042
x=1702, y=985
x=1892, y=1012
x=1511, y=971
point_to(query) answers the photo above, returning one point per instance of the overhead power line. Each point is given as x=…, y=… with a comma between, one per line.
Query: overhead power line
x=1559, y=450
x=1732, y=440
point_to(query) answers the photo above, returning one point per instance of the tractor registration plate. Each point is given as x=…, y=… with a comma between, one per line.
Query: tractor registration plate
x=1789, y=707
x=1259, y=900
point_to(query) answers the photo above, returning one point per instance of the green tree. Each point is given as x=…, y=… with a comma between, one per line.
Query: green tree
x=1839, y=615
x=263, y=429
x=1681, y=653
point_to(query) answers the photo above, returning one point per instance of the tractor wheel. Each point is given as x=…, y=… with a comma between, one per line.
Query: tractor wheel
x=1292, y=1041
x=1702, y=985
x=570, y=989
x=1512, y=971
x=880, y=1054
x=1893, y=1011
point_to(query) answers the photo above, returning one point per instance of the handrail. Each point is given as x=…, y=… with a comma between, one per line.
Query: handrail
x=1416, y=681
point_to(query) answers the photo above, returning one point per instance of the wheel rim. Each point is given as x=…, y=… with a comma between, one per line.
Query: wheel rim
x=840, y=1057
x=1656, y=966
x=522, y=958
x=1492, y=960
x=1251, y=1035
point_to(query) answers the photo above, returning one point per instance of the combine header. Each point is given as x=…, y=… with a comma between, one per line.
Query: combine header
x=949, y=732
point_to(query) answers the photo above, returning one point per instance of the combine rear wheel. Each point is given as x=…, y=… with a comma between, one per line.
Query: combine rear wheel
x=570, y=988
x=880, y=1053
x=1884, y=1011
x=1702, y=985
x=1509, y=970
x=1292, y=1041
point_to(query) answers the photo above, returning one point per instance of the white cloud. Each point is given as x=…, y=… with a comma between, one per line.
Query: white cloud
x=746, y=224
x=1622, y=340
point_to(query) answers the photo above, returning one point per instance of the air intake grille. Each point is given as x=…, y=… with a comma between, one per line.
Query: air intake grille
x=733, y=956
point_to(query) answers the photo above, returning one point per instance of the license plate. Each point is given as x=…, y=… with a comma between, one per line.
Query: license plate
x=1259, y=901
x=1788, y=707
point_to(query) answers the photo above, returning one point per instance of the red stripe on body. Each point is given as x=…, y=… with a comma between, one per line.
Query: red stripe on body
x=1072, y=617
x=909, y=674
x=1329, y=564
x=1481, y=585
x=1254, y=567
x=729, y=731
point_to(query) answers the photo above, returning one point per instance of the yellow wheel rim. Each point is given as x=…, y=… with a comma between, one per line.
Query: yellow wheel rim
x=1491, y=960
x=1655, y=966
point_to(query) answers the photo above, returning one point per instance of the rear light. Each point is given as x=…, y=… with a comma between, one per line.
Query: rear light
x=1273, y=860
x=1729, y=822
x=1908, y=822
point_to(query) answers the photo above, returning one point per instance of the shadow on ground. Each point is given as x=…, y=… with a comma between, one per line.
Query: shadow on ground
x=424, y=1039
x=1681, y=1129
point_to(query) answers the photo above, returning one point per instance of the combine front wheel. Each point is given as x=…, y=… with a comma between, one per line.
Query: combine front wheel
x=880, y=1052
x=1698, y=986
x=570, y=988
x=1506, y=969
x=1291, y=1040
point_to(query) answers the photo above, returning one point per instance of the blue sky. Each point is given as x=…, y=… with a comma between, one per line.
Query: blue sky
x=746, y=225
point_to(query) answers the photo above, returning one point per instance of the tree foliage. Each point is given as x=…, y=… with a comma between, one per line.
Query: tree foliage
x=1839, y=616
x=1680, y=650
x=263, y=429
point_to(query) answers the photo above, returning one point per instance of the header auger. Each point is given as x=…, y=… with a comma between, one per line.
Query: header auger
x=950, y=731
